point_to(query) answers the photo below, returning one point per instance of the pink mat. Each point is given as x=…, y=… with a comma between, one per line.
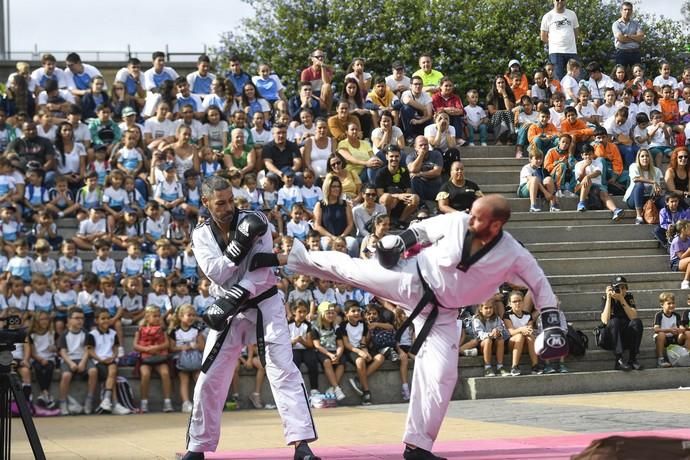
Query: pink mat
x=542, y=447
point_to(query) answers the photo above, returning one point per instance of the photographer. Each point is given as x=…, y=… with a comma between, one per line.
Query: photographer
x=623, y=329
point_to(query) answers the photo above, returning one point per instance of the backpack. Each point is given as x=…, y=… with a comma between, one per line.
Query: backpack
x=678, y=356
x=578, y=342
x=125, y=395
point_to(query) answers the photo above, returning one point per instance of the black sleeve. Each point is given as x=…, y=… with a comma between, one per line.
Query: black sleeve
x=341, y=331
x=62, y=341
x=405, y=182
x=631, y=300
x=684, y=320
x=315, y=334
x=365, y=329
x=678, y=323
x=657, y=318
x=90, y=342
x=117, y=341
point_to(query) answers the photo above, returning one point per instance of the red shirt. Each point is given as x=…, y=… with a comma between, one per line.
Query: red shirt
x=439, y=102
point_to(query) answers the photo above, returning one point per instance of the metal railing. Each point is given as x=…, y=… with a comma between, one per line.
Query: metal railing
x=101, y=55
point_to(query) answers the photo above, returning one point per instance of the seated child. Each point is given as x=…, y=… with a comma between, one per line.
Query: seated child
x=75, y=353
x=151, y=342
x=492, y=334
x=520, y=327
x=668, y=328
x=329, y=351
x=354, y=335
x=103, y=344
x=303, y=344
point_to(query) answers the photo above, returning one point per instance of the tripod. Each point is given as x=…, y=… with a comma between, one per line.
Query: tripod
x=11, y=386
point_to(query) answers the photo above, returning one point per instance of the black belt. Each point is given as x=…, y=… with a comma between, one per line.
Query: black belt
x=260, y=342
x=427, y=298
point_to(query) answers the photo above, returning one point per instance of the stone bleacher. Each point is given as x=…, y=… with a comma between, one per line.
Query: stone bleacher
x=580, y=253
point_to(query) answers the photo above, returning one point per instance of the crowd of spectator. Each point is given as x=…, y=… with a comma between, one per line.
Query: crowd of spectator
x=334, y=170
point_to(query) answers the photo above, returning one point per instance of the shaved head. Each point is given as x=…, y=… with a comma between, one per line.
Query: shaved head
x=500, y=208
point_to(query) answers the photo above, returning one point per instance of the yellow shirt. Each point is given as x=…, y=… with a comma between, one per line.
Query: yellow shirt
x=385, y=101
x=363, y=152
x=432, y=78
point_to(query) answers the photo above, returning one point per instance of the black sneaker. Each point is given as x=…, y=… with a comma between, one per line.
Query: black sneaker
x=635, y=364
x=193, y=456
x=303, y=452
x=622, y=366
x=419, y=454
x=366, y=398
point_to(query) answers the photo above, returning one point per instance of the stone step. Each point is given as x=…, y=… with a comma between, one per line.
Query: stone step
x=577, y=382
x=477, y=164
x=566, y=204
x=586, y=282
x=496, y=175
x=587, y=248
x=538, y=233
x=569, y=218
x=490, y=151
x=598, y=264
x=644, y=299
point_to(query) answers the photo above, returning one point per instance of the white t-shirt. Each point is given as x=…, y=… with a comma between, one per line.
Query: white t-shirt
x=595, y=166
x=661, y=81
x=395, y=135
x=556, y=118
x=430, y=132
x=159, y=129
x=393, y=84
x=561, y=29
x=153, y=80
x=615, y=129
x=474, y=114
x=40, y=77
x=570, y=85
x=216, y=134
x=606, y=112
x=422, y=98
x=63, y=93
x=598, y=88
x=72, y=159
x=83, y=80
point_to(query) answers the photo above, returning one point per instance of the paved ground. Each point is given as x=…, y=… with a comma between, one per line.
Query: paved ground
x=512, y=428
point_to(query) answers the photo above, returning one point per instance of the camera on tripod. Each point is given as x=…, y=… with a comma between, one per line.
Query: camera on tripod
x=12, y=333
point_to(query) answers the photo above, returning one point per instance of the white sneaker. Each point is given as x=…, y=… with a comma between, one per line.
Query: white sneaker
x=119, y=409
x=330, y=391
x=470, y=352
x=314, y=392
x=255, y=399
x=685, y=284
x=471, y=144
x=63, y=408
x=339, y=394
x=167, y=405
x=88, y=405
x=405, y=392
x=569, y=194
x=144, y=406
x=120, y=352
x=484, y=144
x=73, y=406
x=187, y=407
x=106, y=405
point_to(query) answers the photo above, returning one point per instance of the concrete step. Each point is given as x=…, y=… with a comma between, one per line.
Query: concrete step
x=587, y=282
x=644, y=299
x=495, y=175
x=587, y=248
x=566, y=204
x=477, y=164
x=604, y=231
x=593, y=265
x=572, y=383
x=568, y=217
x=490, y=151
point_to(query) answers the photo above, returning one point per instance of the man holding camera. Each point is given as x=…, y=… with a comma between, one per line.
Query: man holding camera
x=623, y=329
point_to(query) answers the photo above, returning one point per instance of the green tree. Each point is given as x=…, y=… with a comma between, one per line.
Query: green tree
x=470, y=40
x=685, y=10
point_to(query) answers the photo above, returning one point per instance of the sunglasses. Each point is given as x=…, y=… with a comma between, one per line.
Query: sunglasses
x=337, y=163
x=319, y=56
x=372, y=195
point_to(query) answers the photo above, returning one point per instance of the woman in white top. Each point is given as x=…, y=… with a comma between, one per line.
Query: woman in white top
x=71, y=155
x=186, y=154
x=318, y=148
x=222, y=96
x=645, y=184
x=386, y=133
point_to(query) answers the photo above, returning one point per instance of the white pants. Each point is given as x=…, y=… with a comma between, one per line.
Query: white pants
x=211, y=389
x=436, y=364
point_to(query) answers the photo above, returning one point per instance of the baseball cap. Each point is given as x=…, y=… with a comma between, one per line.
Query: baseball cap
x=178, y=214
x=168, y=166
x=128, y=111
x=513, y=62
x=289, y=173
x=618, y=280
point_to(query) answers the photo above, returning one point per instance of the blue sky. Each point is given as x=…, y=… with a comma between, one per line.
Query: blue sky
x=110, y=27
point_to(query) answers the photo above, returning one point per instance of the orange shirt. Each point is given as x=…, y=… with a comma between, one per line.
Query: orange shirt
x=535, y=130
x=338, y=128
x=611, y=153
x=552, y=156
x=578, y=130
x=669, y=110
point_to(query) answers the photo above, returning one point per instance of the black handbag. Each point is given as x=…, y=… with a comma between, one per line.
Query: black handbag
x=602, y=338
